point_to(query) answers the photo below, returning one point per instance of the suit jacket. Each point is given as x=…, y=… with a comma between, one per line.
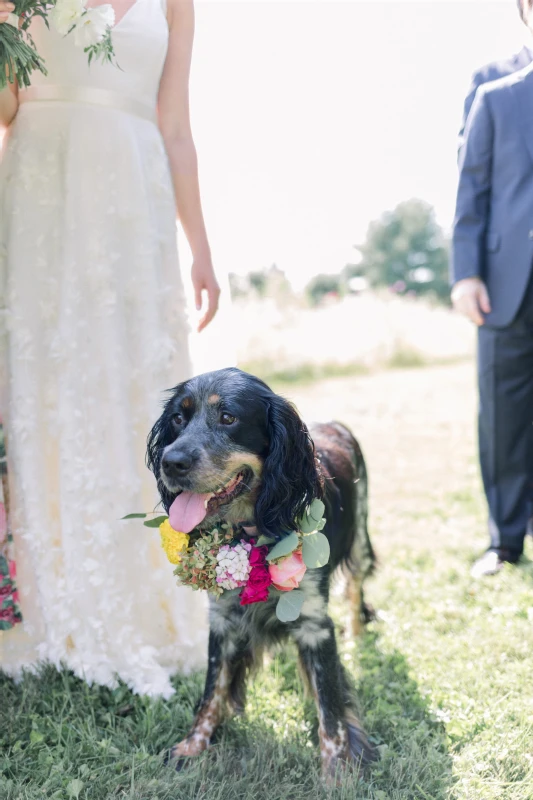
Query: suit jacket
x=493, y=226
x=493, y=72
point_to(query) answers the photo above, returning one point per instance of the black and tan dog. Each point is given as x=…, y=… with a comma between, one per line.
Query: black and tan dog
x=234, y=451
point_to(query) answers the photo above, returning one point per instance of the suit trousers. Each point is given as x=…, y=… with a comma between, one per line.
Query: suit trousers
x=505, y=380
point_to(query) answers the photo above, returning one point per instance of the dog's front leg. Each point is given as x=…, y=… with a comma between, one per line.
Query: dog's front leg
x=340, y=733
x=213, y=705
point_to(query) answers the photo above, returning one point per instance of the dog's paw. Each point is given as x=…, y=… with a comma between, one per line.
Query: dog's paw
x=174, y=762
x=188, y=748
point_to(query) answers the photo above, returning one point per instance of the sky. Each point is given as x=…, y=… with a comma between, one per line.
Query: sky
x=313, y=118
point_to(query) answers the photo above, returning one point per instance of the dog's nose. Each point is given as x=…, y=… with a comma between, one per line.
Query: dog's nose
x=177, y=463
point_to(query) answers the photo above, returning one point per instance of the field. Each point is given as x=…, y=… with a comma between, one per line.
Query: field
x=443, y=677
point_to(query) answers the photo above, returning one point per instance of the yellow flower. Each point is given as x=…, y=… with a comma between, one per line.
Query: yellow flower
x=173, y=542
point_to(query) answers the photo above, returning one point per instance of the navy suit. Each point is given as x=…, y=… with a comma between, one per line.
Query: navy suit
x=493, y=72
x=493, y=239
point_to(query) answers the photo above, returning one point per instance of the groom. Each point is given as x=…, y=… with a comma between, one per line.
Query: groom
x=492, y=254
x=498, y=69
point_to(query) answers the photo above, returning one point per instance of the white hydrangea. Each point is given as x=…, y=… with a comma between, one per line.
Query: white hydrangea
x=233, y=565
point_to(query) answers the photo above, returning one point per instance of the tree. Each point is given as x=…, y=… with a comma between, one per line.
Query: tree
x=406, y=250
x=322, y=285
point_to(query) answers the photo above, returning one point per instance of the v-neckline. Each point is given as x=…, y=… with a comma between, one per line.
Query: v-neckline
x=123, y=17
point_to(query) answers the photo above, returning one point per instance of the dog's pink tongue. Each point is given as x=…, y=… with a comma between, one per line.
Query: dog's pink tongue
x=187, y=511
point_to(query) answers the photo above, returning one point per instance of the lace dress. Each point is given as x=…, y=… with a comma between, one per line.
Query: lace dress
x=94, y=329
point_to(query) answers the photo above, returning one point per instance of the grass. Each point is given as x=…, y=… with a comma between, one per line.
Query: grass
x=443, y=678
x=305, y=373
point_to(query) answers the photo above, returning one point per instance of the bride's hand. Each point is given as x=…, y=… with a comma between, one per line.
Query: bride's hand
x=5, y=10
x=204, y=280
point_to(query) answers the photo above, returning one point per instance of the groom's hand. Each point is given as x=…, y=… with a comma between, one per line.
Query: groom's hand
x=470, y=298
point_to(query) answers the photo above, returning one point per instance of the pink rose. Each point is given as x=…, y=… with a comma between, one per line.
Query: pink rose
x=259, y=580
x=6, y=589
x=288, y=573
x=8, y=615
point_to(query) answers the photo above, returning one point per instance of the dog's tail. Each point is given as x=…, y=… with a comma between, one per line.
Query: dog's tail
x=361, y=560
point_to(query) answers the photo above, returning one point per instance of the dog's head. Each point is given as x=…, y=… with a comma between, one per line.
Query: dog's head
x=233, y=448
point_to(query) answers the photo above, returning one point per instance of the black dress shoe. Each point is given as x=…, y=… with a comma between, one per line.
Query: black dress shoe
x=493, y=560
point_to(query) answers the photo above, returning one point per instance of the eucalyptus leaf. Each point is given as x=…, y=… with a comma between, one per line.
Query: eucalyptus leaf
x=284, y=547
x=315, y=550
x=264, y=540
x=135, y=516
x=306, y=524
x=321, y=525
x=155, y=523
x=316, y=510
x=289, y=605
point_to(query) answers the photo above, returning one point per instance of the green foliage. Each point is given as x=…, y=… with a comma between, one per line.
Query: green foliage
x=289, y=605
x=406, y=250
x=284, y=547
x=18, y=55
x=315, y=550
x=322, y=285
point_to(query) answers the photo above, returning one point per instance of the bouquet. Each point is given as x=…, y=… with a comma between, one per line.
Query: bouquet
x=225, y=560
x=91, y=28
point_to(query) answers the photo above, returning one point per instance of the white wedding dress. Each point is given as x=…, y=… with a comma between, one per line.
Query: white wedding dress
x=94, y=328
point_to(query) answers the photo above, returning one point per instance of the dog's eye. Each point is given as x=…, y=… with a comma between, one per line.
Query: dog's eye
x=177, y=419
x=227, y=419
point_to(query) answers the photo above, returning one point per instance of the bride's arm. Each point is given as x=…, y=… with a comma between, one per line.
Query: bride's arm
x=174, y=123
x=8, y=96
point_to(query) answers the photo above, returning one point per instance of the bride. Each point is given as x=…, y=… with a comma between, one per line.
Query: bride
x=93, y=328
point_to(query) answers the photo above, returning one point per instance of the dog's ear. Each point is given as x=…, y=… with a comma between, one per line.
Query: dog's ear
x=161, y=435
x=290, y=478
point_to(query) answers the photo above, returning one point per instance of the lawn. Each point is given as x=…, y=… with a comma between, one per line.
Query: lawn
x=443, y=677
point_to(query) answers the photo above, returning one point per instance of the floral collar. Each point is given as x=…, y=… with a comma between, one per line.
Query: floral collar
x=233, y=559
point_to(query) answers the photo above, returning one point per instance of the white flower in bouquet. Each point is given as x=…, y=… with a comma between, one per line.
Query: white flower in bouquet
x=65, y=14
x=94, y=25
x=92, y=29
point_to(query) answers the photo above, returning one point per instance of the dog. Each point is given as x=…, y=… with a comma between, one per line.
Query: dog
x=225, y=437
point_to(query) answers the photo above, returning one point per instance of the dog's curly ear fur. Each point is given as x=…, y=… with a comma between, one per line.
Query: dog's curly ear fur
x=161, y=435
x=290, y=478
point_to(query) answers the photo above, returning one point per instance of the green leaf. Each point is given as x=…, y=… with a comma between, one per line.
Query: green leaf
x=36, y=737
x=321, y=525
x=306, y=524
x=316, y=510
x=289, y=605
x=155, y=523
x=135, y=516
x=74, y=788
x=311, y=520
x=264, y=540
x=284, y=547
x=315, y=550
